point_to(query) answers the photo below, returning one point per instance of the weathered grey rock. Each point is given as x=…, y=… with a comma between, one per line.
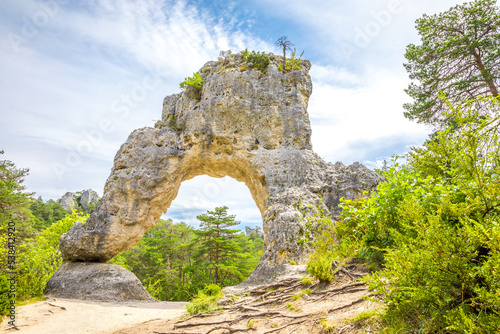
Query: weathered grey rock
x=67, y=201
x=97, y=282
x=258, y=230
x=246, y=124
x=88, y=196
x=82, y=198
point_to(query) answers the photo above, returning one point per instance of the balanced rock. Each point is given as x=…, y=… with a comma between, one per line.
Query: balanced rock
x=97, y=282
x=245, y=123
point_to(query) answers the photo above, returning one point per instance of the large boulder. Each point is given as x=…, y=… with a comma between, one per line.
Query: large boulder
x=97, y=282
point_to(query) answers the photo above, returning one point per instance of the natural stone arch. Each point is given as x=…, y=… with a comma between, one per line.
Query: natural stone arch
x=246, y=124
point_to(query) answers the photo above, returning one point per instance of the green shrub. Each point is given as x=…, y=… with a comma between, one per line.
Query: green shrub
x=212, y=290
x=292, y=63
x=4, y=296
x=306, y=280
x=319, y=265
x=195, y=82
x=434, y=226
x=203, y=303
x=326, y=328
x=439, y=281
x=260, y=60
x=39, y=258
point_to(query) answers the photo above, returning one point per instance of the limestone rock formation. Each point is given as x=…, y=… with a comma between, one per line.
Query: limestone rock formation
x=245, y=123
x=67, y=201
x=258, y=230
x=87, y=197
x=83, y=198
x=96, y=281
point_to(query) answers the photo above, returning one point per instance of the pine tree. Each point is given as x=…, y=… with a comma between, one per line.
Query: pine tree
x=14, y=201
x=458, y=56
x=218, y=249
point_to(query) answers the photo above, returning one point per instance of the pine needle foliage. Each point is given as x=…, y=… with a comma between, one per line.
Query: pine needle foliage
x=458, y=56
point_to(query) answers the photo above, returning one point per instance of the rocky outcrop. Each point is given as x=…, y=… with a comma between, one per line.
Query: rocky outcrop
x=84, y=199
x=88, y=197
x=245, y=123
x=96, y=281
x=258, y=230
x=67, y=201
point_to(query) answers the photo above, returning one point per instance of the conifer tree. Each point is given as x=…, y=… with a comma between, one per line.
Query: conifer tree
x=458, y=56
x=14, y=201
x=217, y=245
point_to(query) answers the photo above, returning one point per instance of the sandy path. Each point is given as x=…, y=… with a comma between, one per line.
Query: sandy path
x=88, y=317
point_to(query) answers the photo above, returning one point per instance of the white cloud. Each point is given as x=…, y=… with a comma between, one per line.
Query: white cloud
x=368, y=112
x=84, y=66
x=355, y=33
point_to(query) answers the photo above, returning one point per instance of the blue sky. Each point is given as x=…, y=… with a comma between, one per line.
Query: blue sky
x=77, y=77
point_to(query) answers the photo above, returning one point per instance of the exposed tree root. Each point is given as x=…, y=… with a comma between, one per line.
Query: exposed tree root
x=285, y=326
x=155, y=332
x=331, y=294
x=265, y=314
x=54, y=305
x=252, y=308
x=265, y=288
x=230, y=329
x=345, y=271
x=346, y=306
x=199, y=315
x=343, y=287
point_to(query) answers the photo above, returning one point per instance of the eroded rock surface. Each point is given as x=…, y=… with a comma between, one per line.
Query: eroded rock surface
x=96, y=281
x=244, y=123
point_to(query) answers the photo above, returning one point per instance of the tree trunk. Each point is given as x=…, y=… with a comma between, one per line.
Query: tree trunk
x=485, y=73
x=284, y=59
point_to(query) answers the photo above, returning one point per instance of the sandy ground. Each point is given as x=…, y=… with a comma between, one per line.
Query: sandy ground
x=64, y=316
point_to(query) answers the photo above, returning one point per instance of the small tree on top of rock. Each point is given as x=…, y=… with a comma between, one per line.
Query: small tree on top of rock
x=285, y=44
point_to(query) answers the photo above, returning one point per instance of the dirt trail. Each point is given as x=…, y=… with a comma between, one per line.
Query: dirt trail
x=64, y=316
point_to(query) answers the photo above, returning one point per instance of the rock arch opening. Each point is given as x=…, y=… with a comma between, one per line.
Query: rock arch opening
x=182, y=254
x=203, y=193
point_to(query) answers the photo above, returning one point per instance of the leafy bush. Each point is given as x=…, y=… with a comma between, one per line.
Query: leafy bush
x=4, y=296
x=204, y=303
x=434, y=226
x=212, y=290
x=195, y=81
x=292, y=63
x=326, y=248
x=319, y=265
x=39, y=258
x=306, y=280
x=260, y=60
